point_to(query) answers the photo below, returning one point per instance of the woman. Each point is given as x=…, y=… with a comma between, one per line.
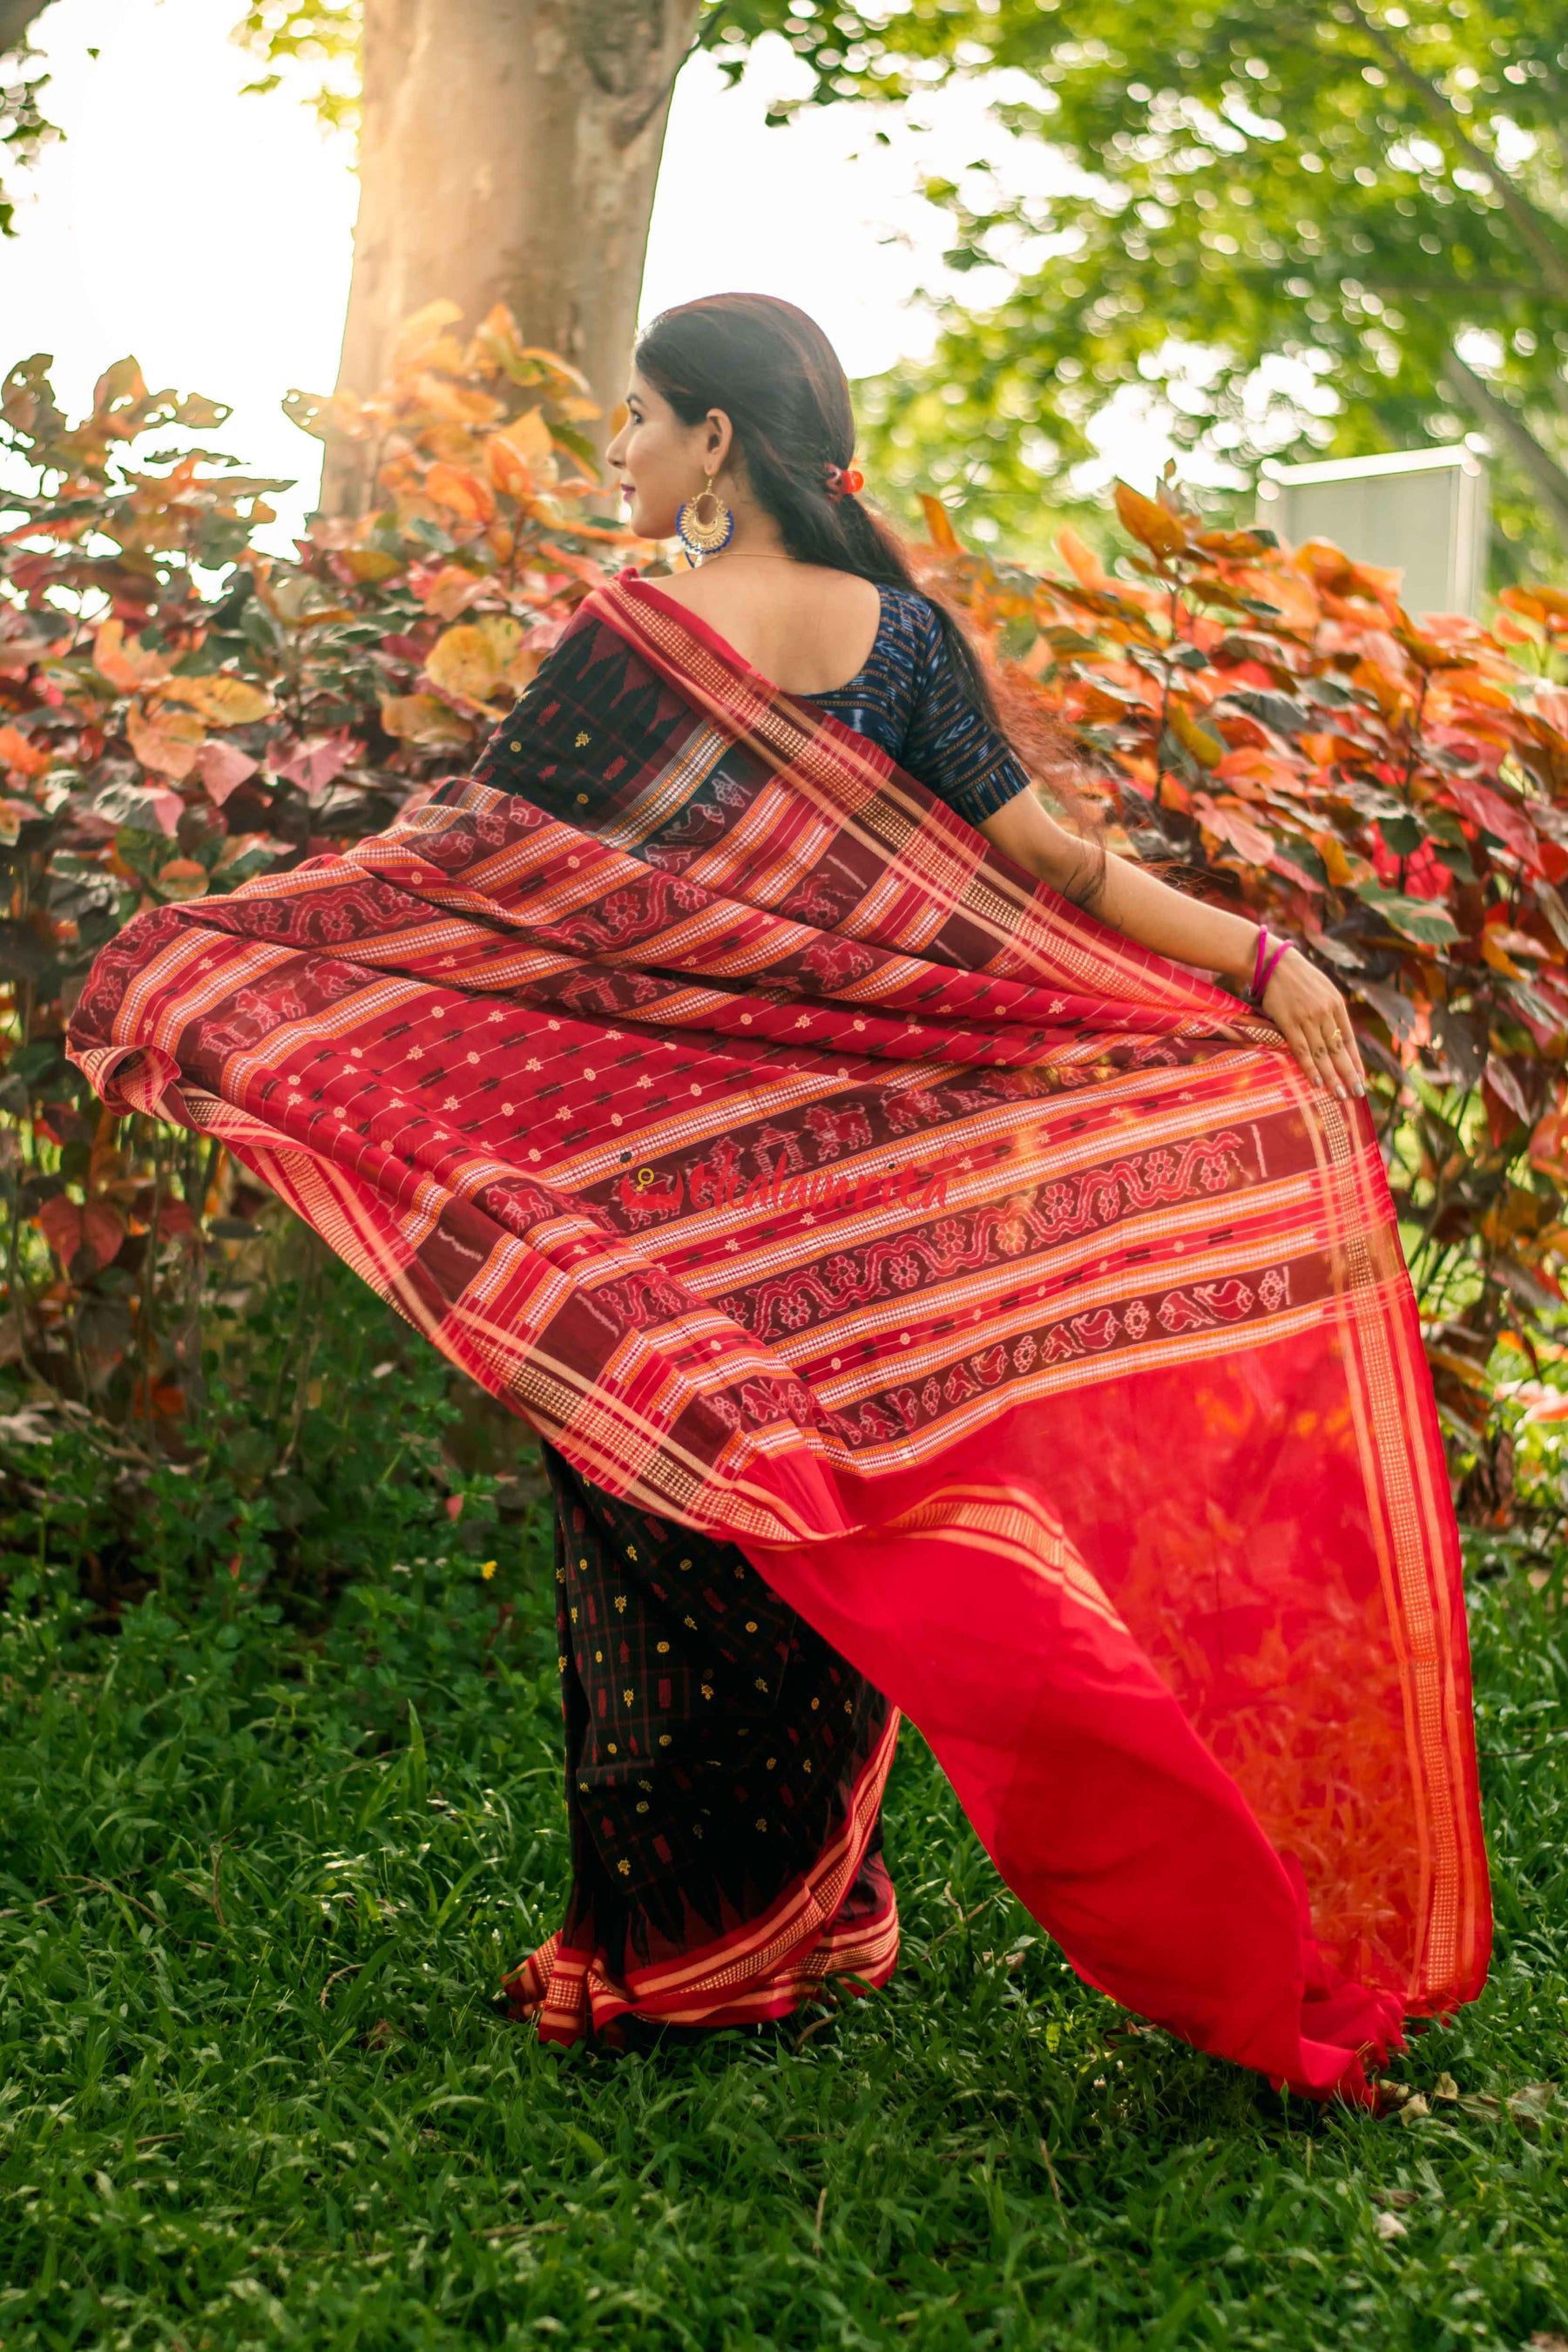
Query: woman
x=937, y=1296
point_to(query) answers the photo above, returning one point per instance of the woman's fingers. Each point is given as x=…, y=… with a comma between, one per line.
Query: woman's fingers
x=1347, y=1061
x=1327, y=1057
x=1323, y=1062
x=1299, y=1037
x=1317, y=1026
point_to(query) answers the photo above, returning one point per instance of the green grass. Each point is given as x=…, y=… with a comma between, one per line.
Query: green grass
x=258, y=1884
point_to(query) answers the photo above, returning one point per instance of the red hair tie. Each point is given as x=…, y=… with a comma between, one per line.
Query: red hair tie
x=843, y=481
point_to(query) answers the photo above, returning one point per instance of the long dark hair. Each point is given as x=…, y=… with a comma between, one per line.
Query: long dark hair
x=777, y=378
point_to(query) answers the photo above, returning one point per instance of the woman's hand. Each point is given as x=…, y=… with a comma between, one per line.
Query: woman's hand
x=1309, y=1011
x=1298, y=999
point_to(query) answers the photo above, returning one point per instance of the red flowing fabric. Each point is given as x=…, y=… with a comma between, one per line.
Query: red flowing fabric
x=809, y=1176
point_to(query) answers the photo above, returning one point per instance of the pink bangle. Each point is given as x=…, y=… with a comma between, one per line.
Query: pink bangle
x=1264, y=967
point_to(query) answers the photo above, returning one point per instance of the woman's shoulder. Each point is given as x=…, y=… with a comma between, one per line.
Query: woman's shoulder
x=908, y=605
x=909, y=622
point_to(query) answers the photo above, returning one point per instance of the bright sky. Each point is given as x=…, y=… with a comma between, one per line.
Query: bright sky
x=209, y=232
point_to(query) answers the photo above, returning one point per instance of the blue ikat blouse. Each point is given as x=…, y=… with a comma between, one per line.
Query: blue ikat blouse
x=909, y=700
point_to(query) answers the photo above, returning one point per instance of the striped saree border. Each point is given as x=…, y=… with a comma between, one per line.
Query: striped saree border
x=763, y=1968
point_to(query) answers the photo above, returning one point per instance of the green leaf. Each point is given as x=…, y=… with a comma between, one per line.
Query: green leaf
x=1421, y=920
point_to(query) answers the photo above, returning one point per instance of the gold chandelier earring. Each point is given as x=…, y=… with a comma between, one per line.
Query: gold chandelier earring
x=705, y=523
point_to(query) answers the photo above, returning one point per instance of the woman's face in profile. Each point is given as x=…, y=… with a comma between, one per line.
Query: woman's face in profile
x=659, y=461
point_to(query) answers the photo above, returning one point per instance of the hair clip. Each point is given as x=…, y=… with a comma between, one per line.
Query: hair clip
x=843, y=481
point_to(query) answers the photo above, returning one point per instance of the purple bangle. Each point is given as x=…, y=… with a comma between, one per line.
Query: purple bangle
x=1264, y=969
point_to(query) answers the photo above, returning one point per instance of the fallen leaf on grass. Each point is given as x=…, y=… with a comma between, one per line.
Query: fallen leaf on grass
x=1530, y=2105
x=1388, y=2225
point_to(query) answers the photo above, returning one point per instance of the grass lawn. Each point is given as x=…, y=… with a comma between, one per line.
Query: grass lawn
x=256, y=1888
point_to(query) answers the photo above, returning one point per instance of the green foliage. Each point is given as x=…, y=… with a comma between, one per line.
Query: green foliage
x=262, y=1867
x=24, y=127
x=327, y=35
x=330, y=35
x=1359, y=188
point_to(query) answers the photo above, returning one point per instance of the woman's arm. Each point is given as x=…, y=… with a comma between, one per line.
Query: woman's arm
x=1299, y=1000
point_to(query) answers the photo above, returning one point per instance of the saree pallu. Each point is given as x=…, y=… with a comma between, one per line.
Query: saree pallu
x=997, y=1294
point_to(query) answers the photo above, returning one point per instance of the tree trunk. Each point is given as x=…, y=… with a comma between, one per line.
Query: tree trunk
x=508, y=154
x=17, y=19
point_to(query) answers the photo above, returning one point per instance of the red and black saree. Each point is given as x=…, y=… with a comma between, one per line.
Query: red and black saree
x=931, y=1302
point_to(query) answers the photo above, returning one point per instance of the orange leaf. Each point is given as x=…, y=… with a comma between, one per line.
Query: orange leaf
x=582, y=567
x=222, y=701
x=1162, y=532
x=1248, y=840
x=1548, y=1143
x=943, y=537
x=527, y=437
x=1341, y=871
x=168, y=744
x=126, y=666
x=369, y=565
x=451, y=590
x=1393, y=696
x=1082, y=562
x=182, y=877
x=469, y=661
x=507, y=470
x=460, y=492
x=22, y=755
x=1206, y=749
x=424, y=720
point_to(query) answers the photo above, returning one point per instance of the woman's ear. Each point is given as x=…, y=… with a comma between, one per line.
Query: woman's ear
x=720, y=440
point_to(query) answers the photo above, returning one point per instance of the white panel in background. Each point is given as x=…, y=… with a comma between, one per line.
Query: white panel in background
x=1423, y=512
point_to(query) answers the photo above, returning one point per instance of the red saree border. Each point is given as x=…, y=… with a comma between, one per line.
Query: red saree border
x=962, y=870
x=335, y=1027
x=763, y=1968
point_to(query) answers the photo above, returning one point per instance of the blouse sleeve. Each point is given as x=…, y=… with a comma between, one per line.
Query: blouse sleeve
x=948, y=745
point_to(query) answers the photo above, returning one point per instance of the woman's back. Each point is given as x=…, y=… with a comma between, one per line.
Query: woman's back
x=807, y=629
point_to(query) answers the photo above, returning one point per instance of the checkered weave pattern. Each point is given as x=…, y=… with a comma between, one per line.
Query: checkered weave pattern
x=811, y=1180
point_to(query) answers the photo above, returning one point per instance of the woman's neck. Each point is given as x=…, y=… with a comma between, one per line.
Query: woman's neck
x=755, y=534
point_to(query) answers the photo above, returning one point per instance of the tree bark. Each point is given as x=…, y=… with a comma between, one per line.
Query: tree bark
x=1506, y=424
x=508, y=154
x=17, y=19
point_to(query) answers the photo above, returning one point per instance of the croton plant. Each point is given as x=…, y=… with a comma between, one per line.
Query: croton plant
x=180, y=710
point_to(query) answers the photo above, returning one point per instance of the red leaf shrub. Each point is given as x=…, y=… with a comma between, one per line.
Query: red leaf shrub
x=179, y=710
x=1394, y=793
